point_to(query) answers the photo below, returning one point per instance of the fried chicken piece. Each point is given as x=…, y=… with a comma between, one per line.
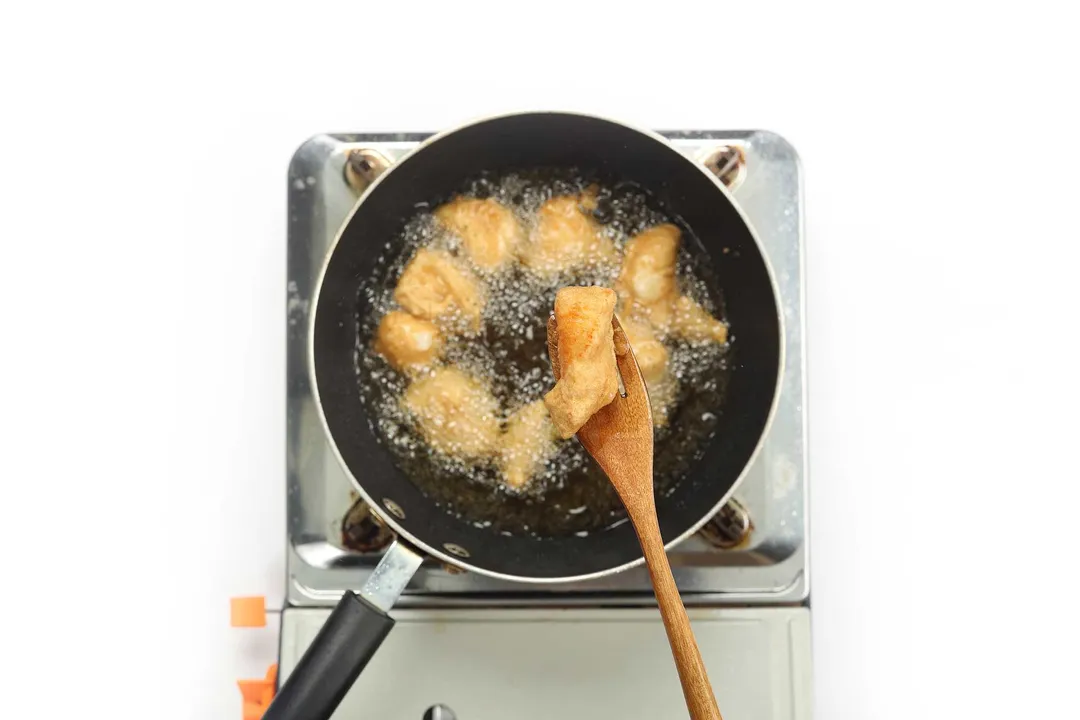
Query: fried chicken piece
x=489, y=231
x=693, y=322
x=455, y=412
x=588, y=376
x=652, y=360
x=662, y=396
x=435, y=287
x=566, y=236
x=646, y=282
x=650, y=353
x=407, y=342
x=648, y=288
x=527, y=443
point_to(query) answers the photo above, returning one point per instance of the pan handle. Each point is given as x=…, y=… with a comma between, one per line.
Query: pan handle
x=346, y=642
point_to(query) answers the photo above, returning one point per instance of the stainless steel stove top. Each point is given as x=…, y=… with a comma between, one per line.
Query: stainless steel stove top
x=754, y=552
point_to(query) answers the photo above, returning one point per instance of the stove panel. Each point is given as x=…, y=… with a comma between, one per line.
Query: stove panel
x=582, y=663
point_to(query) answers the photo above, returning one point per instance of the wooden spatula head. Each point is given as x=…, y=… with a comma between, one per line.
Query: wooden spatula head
x=620, y=438
x=620, y=435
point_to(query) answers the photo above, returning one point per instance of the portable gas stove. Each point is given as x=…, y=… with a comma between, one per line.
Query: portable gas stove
x=475, y=648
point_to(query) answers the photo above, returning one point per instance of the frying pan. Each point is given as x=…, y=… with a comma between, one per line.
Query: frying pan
x=438, y=168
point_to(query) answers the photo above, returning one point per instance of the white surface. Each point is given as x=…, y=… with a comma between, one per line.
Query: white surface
x=143, y=424
x=572, y=664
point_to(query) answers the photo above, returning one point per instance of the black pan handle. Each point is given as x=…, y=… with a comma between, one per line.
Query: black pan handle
x=345, y=644
x=330, y=666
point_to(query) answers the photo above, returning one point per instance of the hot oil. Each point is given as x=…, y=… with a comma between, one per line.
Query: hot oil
x=570, y=494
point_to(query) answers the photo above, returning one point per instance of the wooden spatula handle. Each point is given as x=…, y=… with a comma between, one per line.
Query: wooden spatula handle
x=697, y=690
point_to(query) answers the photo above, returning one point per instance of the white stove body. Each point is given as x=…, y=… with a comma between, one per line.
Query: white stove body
x=478, y=648
x=571, y=664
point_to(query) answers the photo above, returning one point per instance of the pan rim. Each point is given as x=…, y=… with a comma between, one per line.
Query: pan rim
x=389, y=519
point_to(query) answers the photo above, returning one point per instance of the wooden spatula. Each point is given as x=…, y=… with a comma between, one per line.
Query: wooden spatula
x=620, y=438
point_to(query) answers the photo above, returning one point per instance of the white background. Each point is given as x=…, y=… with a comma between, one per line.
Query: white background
x=143, y=225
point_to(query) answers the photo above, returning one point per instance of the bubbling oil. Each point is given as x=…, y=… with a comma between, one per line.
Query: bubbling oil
x=568, y=494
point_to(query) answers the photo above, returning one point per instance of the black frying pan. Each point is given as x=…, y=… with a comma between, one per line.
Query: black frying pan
x=439, y=168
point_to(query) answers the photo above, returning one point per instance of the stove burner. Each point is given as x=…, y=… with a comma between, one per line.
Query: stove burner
x=362, y=531
x=729, y=528
x=728, y=163
x=362, y=166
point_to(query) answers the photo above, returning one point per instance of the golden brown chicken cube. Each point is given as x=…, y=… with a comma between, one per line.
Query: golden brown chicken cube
x=588, y=376
x=566, y=236
x=527, y=443
x=435, y=287
x=455, y=412
x=407, y=342
x=648, y=288
x=693, y=322
x=652, y=360
x=646, y=282
x=490, y=232
x=650, y=353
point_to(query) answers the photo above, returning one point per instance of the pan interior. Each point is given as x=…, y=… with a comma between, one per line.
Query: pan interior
x=521, y=144
x=570, y=495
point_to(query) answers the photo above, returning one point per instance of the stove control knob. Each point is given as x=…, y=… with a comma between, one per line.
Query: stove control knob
x=439, y=712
